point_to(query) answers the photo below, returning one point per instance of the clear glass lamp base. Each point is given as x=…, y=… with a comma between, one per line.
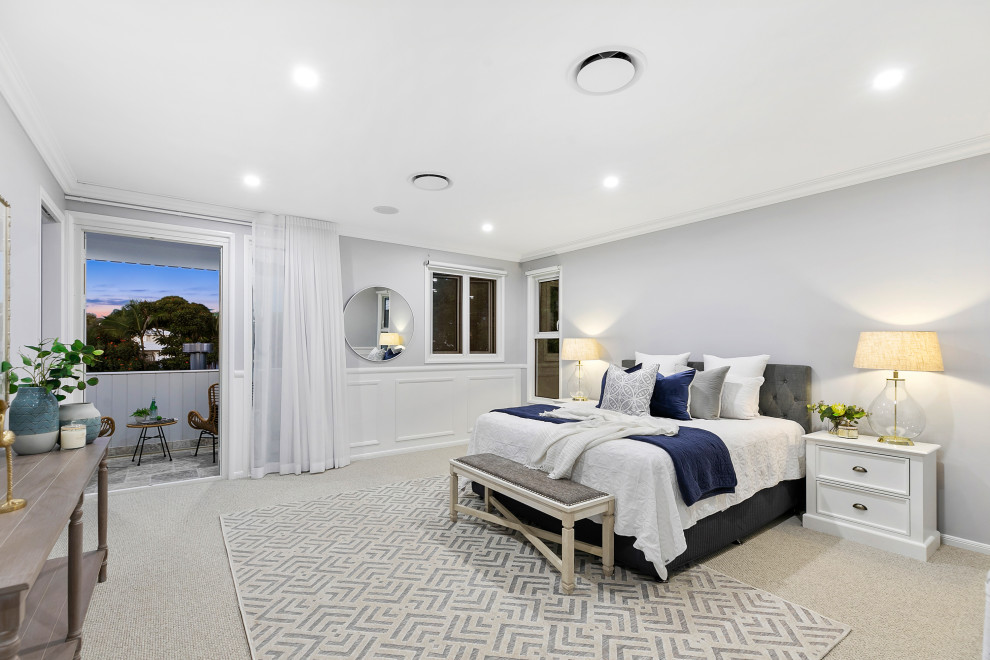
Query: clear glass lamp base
x=894, y=416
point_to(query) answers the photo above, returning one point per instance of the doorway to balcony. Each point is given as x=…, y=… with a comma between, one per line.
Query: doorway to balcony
x=153, y=307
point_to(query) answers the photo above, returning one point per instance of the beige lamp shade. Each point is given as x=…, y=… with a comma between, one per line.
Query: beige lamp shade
x=389, y=339
x=583, y=348
x=898, y=351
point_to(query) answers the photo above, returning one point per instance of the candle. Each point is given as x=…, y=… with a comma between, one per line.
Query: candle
x=73, y=436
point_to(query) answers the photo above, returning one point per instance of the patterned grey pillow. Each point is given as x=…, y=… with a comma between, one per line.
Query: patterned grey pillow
x=706, y=392
x=629, y=393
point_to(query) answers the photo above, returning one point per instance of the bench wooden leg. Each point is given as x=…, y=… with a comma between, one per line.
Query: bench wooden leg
x=453, y=496
x=567, y=556
x=488, y=500
x=608, y=541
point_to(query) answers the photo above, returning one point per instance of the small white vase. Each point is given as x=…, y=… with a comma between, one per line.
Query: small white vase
x=81, y=413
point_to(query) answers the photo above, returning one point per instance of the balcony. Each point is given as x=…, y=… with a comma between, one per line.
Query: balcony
x=176, y=393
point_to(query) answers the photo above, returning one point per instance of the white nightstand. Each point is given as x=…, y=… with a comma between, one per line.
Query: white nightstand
x=874, y=493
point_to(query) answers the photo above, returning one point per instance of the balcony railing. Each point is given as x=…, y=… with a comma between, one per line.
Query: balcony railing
x=176, y=393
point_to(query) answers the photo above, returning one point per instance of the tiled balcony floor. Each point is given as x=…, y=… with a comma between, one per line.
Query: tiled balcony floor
x=156, y=469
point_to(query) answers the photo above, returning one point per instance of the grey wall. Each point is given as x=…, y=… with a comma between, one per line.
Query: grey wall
x=800, y=279
x=23, y=173
x=401, y=268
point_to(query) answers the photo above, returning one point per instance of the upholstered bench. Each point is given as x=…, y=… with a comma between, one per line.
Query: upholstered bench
x=563, y=499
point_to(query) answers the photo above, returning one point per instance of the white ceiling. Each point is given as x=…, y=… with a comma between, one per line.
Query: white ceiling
x=740, y=104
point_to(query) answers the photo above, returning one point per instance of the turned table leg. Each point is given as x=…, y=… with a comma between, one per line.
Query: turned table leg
x=101, y=521
x=608, y=540
x=10, y=625
x=567, y=556
x=453, y=496
x=75, y=577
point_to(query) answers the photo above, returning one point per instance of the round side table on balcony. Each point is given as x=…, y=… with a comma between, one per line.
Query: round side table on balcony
x=159, y=435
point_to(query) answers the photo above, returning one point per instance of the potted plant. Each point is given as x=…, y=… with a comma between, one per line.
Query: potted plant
x=141, y=415
x=34, y=413
x=837, y=414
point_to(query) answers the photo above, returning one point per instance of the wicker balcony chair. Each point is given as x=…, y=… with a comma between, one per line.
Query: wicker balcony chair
x=107, y=427
x=210, y=425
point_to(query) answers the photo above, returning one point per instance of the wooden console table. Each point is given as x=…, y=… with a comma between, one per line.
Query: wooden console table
x=43, y=602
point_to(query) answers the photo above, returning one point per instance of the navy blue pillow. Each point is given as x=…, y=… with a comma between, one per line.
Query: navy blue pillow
x=671, y=396
x=605, y=375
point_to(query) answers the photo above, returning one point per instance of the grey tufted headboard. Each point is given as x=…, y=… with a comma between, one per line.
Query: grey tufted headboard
x=785, y=393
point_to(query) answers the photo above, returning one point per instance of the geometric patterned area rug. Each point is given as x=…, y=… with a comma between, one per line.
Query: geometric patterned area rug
x=383, y=573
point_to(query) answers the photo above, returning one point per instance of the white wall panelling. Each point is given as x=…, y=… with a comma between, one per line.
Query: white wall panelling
x=400, y=409
x=424, y=408
x=488, y=391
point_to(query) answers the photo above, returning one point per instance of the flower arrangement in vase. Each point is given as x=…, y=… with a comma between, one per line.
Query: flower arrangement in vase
x=837, y=414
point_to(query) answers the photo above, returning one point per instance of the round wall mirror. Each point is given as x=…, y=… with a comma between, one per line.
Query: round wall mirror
x=378, y=323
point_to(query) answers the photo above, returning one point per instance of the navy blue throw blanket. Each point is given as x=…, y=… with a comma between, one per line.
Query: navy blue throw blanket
x=701, y=460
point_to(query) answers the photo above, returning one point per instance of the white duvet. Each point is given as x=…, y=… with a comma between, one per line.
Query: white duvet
x=648, y=504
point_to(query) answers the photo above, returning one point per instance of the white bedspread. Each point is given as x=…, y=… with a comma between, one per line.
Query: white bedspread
x=559, y=446
x=648, y=504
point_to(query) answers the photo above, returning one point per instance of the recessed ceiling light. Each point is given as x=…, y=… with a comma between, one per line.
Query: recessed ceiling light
x=305, y=77
x=387, y=210
x=610, y=181
x=431, y=181
x=888, y=79
x=487, y=227
x=607, y=71
x=252, y=180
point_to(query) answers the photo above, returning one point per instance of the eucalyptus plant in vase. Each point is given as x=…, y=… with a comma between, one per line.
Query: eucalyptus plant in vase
x=46, y=376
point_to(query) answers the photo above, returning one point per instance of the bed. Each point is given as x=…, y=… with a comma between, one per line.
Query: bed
x=656, y=532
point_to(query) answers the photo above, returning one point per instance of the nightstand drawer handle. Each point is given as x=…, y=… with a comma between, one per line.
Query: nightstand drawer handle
x=859, y=468
x=861, y=507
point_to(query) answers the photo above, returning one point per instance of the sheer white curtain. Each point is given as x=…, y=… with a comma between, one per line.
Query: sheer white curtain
x=298, y=347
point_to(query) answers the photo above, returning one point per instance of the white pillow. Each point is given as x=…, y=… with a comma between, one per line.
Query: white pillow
x=666, y=364
x=740, y=397
x=629, y=393
x=745, y=367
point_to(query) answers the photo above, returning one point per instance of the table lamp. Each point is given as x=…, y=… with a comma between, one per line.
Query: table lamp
x=389, y=339
x=894, y=415
x=584, y=348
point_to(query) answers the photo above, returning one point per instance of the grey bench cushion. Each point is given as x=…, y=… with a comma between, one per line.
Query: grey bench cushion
x=563, y=491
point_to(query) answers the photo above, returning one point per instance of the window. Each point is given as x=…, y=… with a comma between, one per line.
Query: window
x=465, y=315
x=544, y=333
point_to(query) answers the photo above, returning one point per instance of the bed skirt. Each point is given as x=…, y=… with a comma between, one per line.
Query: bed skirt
x=709, y=535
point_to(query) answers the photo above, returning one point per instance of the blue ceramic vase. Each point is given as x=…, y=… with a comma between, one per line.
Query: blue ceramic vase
x=34, y=420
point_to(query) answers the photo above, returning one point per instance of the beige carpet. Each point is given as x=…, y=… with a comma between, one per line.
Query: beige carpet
x=383, y=573
x=170, y=594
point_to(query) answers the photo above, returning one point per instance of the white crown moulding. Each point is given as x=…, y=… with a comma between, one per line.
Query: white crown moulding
x=25, y=108
x=970, y=148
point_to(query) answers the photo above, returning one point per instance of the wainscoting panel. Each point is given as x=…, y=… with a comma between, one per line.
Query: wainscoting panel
x=392, y=410
x=363, y=404
x=488, y=392
x=424, y=408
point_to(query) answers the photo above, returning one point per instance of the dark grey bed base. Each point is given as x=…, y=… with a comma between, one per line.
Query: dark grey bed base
x=785, y=393
x=707, y=537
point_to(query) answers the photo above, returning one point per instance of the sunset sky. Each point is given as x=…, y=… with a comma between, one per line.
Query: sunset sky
x=110, y=285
